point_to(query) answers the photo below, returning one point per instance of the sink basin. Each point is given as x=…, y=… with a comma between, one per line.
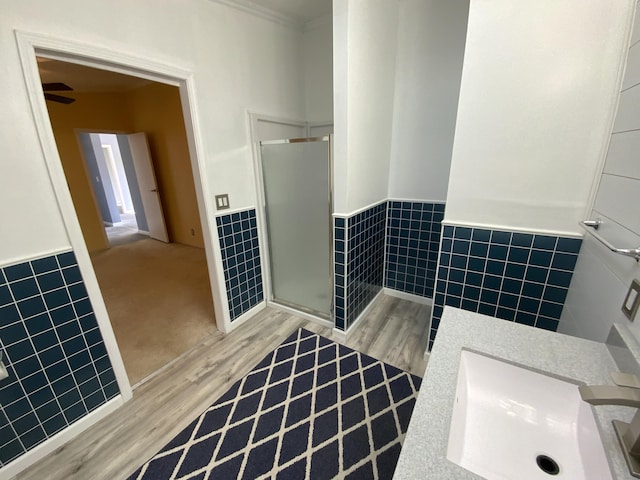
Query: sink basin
x=510, y=422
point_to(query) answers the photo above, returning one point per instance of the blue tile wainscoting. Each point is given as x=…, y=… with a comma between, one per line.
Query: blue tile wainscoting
x=413, y=242
x=58, y=366
x=359, y=262
x=238, y=234
x=520, y=277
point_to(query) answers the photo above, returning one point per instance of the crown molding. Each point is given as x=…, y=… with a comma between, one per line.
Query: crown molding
x=257, y=10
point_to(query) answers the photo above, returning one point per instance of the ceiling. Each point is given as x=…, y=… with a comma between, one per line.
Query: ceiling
x=297, y=12
x=87, y=79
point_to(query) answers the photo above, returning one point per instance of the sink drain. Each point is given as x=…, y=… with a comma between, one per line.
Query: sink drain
x=548, y=465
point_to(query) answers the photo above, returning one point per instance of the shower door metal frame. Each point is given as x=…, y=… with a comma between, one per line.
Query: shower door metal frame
x=271, y=300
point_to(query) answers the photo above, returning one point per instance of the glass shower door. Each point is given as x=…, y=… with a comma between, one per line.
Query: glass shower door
x=296, y=184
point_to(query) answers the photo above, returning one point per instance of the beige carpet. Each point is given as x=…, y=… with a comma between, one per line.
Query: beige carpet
x=159, y=301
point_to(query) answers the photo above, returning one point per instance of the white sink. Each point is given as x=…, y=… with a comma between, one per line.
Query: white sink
x=507, y=419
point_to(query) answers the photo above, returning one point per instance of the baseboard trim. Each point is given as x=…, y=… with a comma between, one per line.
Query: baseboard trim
x=344, y=335
x=59, y=439
x=247, y=315
x=408, y=296
x=319, y=320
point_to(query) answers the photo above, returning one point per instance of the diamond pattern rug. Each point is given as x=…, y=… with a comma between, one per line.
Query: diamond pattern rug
x=311, y=409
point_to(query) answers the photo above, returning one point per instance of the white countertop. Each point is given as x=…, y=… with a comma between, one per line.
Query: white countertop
x=424, y=450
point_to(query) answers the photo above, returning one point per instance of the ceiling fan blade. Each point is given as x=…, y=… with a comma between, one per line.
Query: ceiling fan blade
x=59, y=98
x=56, y=87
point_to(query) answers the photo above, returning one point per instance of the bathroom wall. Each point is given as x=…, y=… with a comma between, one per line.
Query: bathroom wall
x=365, y=44
x=602, y=277
x=431, y=40
x=533, y=120
x=318, y=70
x=238, y=61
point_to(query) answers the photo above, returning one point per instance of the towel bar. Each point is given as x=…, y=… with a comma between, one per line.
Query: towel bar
x=592, y=225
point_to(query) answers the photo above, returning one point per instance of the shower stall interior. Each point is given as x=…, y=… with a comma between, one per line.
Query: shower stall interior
x=296, y=175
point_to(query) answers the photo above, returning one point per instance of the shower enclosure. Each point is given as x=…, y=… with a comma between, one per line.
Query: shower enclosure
x=296, y=175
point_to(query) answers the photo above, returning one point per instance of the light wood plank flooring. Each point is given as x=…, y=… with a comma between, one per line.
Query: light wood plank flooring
x=395, y=331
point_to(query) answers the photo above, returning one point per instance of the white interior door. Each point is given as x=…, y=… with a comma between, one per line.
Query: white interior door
x=148, y=186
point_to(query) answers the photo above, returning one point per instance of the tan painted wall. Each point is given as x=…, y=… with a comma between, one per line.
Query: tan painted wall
x=156, y=110
x=94, y=112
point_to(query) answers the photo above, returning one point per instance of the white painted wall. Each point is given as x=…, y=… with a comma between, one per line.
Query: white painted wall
x=318, y=70
x=431, y=40
x=536, y=107
x=239, y=61
x=364, y=45
x=601, y=277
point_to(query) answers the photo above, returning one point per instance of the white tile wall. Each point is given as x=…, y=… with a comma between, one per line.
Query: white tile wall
x=601, y=278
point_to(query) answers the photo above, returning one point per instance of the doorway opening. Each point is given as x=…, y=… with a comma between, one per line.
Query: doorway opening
x=157, y=288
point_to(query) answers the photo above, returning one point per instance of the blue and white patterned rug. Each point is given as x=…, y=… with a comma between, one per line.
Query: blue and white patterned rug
x=311, y=409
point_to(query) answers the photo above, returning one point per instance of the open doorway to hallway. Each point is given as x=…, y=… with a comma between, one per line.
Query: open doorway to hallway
x=157, y=294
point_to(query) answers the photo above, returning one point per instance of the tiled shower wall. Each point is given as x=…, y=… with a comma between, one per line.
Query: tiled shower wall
x=58, y=366
x=359, y=262
x=238, y=234
x=412, y=244
x=520, y=277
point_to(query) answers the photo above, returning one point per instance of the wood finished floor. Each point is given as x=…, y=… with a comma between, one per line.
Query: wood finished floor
x=395, y=331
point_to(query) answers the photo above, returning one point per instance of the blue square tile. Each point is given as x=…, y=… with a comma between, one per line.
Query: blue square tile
x=529, y=305
x=555, y=294
x=525, y=318
x=495, y=267
x=533, y=290
x=540, y=258
x=559, y=278
x=50, y=281
x=508, y=300
x=41, y=398
x=44, y=340
x=459, y=261
x=485, y=309
x=66, y=259
x=452, y=301
x=492, y=282
x=547, y=324
x=462, y=233
x=481, y=235
x=469, y=305
x=536, y=274
x=498, y=252
x=544, y=242
x=66, y=391
x=568, y=245
x=476, y=264
x=24, y=288
x=518, y=255
x=502, y=238
x=479, y=249
x=46, y=264
x=11, y=450
x=454, y=289
x=552, y=310
x=505, y=313
x=27, y=366
x=9, y=314
x=54, y=425
x=474, y=279
x=72, y=275
x=34, y=382
x=515, y=270
x=522, y=239
x=456, y=275
x=31, y=307
x=75, y=412
x=489, y=297
x=16, y=409
x=511, y=285
x=56, y=298
x=564, y=261
x=5, y=295
x=51, y=355
x=19, y=350
x=461, y=247
x=471, y=293
x=17, y=272
x=447, y=231
x=13, y=332
x=62, y=315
